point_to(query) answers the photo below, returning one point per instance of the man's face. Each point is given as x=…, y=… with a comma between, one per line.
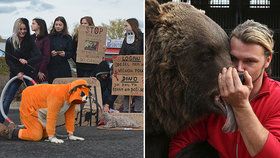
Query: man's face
x=249, y=57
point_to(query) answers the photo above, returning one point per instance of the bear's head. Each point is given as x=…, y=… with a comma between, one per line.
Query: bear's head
x=79, y=91
x=185, y=51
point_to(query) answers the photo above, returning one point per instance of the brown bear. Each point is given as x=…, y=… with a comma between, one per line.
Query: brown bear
x=185, y=51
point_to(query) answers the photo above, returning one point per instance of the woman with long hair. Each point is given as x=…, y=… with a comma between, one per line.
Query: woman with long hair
x=132, y=45
x=133, y=41
x=83, y=69
x=21, y=57
x=61, y=50
x=42, y=41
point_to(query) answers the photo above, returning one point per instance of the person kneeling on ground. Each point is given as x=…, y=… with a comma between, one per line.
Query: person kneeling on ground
x=41, y=107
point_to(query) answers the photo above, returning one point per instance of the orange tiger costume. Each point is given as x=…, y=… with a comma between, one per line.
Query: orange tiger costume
x=42, y=104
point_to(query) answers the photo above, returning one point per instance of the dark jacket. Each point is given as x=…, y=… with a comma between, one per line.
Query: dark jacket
x=106, y=83
x=27, y=51
x=43, y=44
x=135, y=48
x=58, y=66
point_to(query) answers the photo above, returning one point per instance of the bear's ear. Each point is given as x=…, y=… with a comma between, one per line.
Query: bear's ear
x=152, y=13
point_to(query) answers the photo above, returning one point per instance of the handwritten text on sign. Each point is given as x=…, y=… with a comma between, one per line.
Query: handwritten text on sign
x=91, y=44
x=128, y=65
x=127, y=85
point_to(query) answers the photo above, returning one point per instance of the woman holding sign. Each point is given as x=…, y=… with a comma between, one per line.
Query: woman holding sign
x=132, y=45
x=61, y=50
x=83, y=69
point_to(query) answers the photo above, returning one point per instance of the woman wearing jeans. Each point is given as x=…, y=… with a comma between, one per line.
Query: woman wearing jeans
x=21, y=52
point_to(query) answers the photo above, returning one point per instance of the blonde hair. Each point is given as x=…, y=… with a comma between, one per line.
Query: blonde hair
x=16, y=28
x=15, y=38
x=257, y=33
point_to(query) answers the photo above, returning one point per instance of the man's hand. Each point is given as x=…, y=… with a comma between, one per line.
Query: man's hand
x=232, y=90
x=72, y=137
x=55, y=140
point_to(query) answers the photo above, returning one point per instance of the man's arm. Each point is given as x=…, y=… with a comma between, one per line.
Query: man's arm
x=253, y=133
x=195, y=133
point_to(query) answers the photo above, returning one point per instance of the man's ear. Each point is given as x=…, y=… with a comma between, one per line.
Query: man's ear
x=268, y=60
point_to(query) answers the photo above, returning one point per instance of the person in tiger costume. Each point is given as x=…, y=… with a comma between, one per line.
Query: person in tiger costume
x=41, y=107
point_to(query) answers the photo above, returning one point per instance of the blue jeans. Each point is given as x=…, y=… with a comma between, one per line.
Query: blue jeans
x=10, y=94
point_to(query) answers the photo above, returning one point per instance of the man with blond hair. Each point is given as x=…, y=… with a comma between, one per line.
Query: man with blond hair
x=255, y=103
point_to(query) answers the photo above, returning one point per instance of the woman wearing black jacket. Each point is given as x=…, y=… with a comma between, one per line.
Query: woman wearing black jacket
x=132, y=45
x=21, y=55
x=133, y=41
x=61, y=50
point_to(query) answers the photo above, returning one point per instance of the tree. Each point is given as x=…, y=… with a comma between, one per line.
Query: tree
x=115, y=28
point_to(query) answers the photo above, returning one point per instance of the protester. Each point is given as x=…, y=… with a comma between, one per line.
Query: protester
x=132, y=45
x=61, y=50
x=21, y=57
x=40, y=111
x=83, y=69
x=42, y=41
x=103, y=74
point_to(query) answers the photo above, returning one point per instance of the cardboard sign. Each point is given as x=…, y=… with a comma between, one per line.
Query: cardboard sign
x=128, y=65
x=128, y=75
x=91, y=44
x=128, y=85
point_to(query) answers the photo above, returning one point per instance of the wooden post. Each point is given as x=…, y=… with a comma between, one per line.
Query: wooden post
x=129, y=103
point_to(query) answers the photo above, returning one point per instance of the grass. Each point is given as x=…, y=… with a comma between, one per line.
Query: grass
x=4, y=73
x=4, y=70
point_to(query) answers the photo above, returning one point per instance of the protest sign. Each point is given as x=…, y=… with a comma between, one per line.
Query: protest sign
x=91, y=44
x=128, y=65
x=128, y=75
x=128, y=85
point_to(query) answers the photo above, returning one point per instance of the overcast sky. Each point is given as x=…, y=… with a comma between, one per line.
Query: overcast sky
x=102, y=11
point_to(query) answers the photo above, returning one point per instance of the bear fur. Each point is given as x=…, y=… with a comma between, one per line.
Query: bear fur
x=185, y=51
